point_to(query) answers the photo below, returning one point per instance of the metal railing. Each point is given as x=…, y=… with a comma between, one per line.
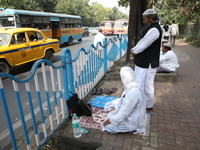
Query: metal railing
x=41, y=96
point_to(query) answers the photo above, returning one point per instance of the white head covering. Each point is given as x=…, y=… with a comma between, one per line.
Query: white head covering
x=164, y=40
x=127, y=75
x=167, y=45
x=149, y=12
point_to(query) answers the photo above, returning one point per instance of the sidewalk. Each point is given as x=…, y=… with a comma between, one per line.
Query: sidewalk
x=175, y=124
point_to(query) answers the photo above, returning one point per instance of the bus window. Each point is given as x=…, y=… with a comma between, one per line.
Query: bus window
x=38, y=26
x=62, y=22
x=38, y=22
x=6, y=22
x=47, y=26
x=25, y=21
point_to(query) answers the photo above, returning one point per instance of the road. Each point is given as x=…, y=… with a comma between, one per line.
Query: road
x=21, y=72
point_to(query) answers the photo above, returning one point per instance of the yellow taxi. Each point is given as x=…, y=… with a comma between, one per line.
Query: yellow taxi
x=22, y=45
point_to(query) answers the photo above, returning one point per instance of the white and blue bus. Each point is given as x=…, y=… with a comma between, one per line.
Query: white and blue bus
x=65, y=28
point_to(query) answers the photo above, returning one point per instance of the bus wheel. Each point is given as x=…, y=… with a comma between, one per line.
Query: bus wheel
x=49, y=56
x=70, y=41
x=4, y=68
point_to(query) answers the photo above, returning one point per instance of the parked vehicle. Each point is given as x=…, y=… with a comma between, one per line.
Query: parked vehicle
x=22, y=45
x=95, y=31
x=85, y=31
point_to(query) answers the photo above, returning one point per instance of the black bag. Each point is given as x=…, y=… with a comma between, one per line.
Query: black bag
x=85, y=108
x=75, y=105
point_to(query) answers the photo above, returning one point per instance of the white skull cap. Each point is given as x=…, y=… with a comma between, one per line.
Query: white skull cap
x=164, y=40
x=167, y=45
x=149, y=12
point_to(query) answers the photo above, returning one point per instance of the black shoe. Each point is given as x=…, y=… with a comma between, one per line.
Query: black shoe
x=99, y=91
x=94, y=91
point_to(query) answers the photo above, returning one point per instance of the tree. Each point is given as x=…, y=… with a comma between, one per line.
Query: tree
x=137, y=7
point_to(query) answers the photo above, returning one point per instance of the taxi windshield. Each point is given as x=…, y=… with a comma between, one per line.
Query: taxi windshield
x=4, y=38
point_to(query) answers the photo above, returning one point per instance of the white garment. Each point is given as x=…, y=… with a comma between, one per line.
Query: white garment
x=145, y=77
x=113, y=104
x=173, y=29
x=168, y=61
x=98, y=38
x=166, y=33
x=146, y=41
x=131, y=109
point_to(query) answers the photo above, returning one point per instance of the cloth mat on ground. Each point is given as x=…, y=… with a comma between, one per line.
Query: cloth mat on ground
x=98, y=117
x=96, y=120
x=101, y=100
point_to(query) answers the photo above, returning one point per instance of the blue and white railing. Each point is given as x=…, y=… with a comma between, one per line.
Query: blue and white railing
x=41, y=96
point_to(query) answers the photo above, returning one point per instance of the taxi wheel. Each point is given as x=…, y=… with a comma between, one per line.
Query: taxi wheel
x=49, y=56
x=4, y=68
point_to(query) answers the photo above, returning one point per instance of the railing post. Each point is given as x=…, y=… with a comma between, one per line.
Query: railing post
x=105, y=56
x=7, y=114
x=120, y=46
x=67, y=73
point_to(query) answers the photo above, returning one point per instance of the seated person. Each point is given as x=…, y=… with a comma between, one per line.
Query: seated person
x=48, y=26
x=33, y=38
x=163, y=41
x=129, y=115
x=20, y=39
x=168, y=60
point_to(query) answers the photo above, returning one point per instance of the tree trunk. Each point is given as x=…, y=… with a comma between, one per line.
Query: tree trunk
x=137, y=7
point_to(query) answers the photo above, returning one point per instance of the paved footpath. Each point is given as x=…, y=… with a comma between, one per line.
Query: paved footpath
x=175, y=124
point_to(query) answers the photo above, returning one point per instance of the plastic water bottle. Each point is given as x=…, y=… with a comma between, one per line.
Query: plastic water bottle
x=76, y=126
x=83, y=130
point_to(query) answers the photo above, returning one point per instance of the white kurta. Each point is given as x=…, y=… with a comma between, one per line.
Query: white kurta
x=168, y=62
x=146, y=41
x=166, y=33
x=98, y=38
x=173, y=29
x=130, y=112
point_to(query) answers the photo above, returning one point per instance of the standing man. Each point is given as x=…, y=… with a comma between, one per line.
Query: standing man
x=174, y=31
x=99, y=37
x=146, y=56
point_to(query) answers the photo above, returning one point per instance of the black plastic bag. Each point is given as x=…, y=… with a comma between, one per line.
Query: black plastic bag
x=85, y=108
x=75, y=105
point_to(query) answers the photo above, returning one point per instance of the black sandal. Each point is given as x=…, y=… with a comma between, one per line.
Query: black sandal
x=107, y=91
x=94, y=91
x=99, y=91
x=113, y=90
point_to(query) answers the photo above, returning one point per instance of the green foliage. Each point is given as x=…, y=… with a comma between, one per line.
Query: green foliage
x=180, y=10
x=185, y=13
x=36, y=5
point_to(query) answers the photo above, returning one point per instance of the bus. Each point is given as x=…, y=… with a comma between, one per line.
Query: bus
x=107, y=27
x=65, y=28
x=121, y=26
